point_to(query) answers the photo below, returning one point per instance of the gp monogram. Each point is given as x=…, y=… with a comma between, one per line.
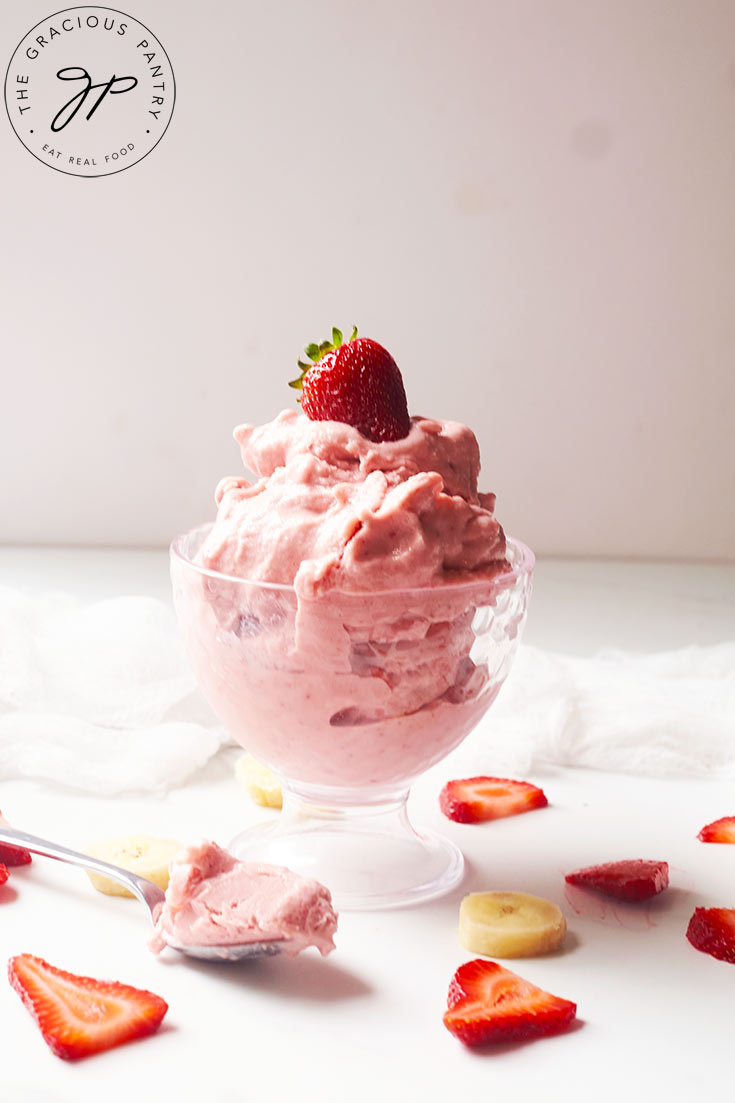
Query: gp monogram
x=90, y=91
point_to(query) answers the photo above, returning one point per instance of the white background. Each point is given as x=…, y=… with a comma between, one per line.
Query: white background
x=529, y=202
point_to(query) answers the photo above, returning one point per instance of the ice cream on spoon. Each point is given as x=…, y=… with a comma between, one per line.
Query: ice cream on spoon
x=214, y=900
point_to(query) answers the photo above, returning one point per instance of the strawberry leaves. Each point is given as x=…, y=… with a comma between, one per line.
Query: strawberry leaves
x=316, y=352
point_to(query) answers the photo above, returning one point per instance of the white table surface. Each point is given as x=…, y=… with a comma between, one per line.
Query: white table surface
x=655, y=1017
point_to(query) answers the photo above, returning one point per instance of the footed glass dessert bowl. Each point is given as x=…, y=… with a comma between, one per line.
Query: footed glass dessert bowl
x=349, y=697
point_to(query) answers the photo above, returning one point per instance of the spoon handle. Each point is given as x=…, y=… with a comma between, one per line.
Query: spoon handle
x=145, y=890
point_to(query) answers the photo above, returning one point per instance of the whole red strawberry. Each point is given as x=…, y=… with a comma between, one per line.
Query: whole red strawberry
x=357, y=382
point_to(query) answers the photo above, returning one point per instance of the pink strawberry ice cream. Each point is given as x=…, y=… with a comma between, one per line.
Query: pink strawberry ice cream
x=333, y=510
x=214, y=900
x=339, y=612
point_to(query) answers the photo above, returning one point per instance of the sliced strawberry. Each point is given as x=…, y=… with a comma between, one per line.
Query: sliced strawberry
x=712, y=930
x=13, y=855
x=474, y=799
x=488, y=1003
x=634, y=879
x=77, y=1015
x=721, y=831
x=355, y=381
x=3, y=874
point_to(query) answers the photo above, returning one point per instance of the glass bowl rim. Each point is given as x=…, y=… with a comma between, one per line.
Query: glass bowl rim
x=505, y=579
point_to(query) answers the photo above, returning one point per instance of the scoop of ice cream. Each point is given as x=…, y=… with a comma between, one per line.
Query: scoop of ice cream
x=363, y=666
x=332, y=509
x=213, y=899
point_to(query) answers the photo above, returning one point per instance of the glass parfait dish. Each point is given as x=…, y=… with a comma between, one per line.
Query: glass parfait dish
x=349, y=697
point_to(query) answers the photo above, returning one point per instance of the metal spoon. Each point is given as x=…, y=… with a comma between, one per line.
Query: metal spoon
x=145, y=890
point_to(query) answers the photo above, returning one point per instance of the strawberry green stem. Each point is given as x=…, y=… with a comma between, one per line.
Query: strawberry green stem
x=315, y=353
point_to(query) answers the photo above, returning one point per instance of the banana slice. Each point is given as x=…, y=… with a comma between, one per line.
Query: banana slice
x=260, y=782
x=141, y=854
x=510, y=924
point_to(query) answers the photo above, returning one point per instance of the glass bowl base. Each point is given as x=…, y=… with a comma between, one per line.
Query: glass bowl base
x=369, y=857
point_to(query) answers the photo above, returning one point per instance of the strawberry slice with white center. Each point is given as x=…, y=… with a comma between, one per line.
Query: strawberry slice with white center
x=720, y=831
x=631, y=879
x=475, y=799
x=712, y=930
x=78, y=1016
x=13, y=855
x=488, y=1003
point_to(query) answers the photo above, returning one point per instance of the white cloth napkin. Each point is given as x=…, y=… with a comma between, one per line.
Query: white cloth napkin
x=666, y=715
x=100, y=698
